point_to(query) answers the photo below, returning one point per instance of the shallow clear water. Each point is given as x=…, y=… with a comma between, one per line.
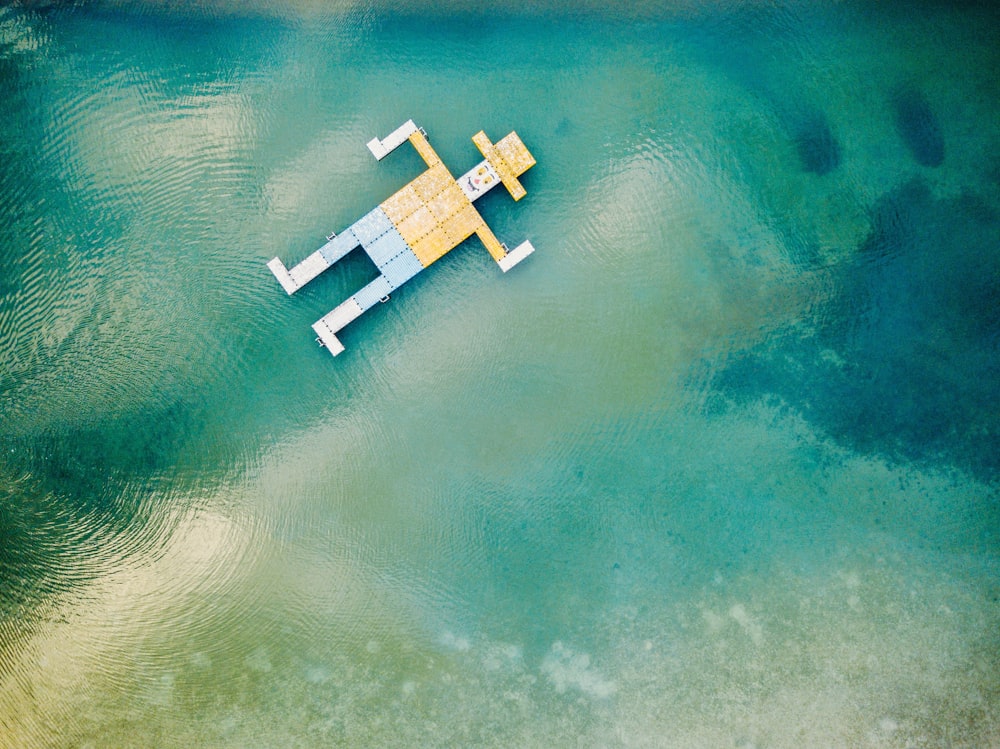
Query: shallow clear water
x=716, y=466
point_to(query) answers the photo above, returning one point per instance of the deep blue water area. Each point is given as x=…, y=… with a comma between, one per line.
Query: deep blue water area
x=905, y=360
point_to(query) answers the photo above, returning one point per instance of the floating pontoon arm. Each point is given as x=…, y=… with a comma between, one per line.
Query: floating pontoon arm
x=382, y=148
x=515, y=256
x=284, y=277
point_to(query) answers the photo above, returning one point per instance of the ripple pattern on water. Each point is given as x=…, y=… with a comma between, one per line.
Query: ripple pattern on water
x=575, y=498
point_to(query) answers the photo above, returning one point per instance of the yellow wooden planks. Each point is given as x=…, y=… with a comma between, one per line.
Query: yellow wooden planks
x=427, y=153
x=432, y=246
x=488, y=238
x=401, y=204
x=514, y=187
x=448, y=202
x=503, y=170
x=433, y=181
x=485, y=146
x=463, y=224
x=434, y=215
x=516, y=155
x=416, y=225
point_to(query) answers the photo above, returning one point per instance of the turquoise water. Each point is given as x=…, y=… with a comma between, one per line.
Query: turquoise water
x=715, y=467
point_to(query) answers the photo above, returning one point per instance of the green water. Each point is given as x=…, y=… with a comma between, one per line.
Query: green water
x=715, y=467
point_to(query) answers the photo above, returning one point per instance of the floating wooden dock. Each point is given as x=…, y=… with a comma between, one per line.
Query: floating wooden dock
x=417, y=225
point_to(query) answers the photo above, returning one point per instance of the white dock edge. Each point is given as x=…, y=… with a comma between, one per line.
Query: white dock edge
x=328, y=325
x=382, y=148
x=515, y=256
x=327, y=339
x=309, y=268
x=293, y=279
x=284, y=277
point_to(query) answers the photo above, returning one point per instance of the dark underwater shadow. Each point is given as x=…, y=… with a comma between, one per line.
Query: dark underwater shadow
x=904, y=361
x=918, y=126
x=77, y=500
x=742, y=45
x=817, y=147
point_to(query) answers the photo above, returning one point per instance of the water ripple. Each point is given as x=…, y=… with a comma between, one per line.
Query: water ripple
x=513, y=490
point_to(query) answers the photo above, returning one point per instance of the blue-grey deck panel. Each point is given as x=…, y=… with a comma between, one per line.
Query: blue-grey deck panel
x=338, y=247
x=371, y=226
x=373, y=293
x=402, y=268
x=386, y=247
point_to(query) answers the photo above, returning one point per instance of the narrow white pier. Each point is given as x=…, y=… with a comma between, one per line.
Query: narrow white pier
x=284, y=277
x=327, y=339
x=382, y=148
x=294, y=279
x=336, y=247
x=330, y=324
